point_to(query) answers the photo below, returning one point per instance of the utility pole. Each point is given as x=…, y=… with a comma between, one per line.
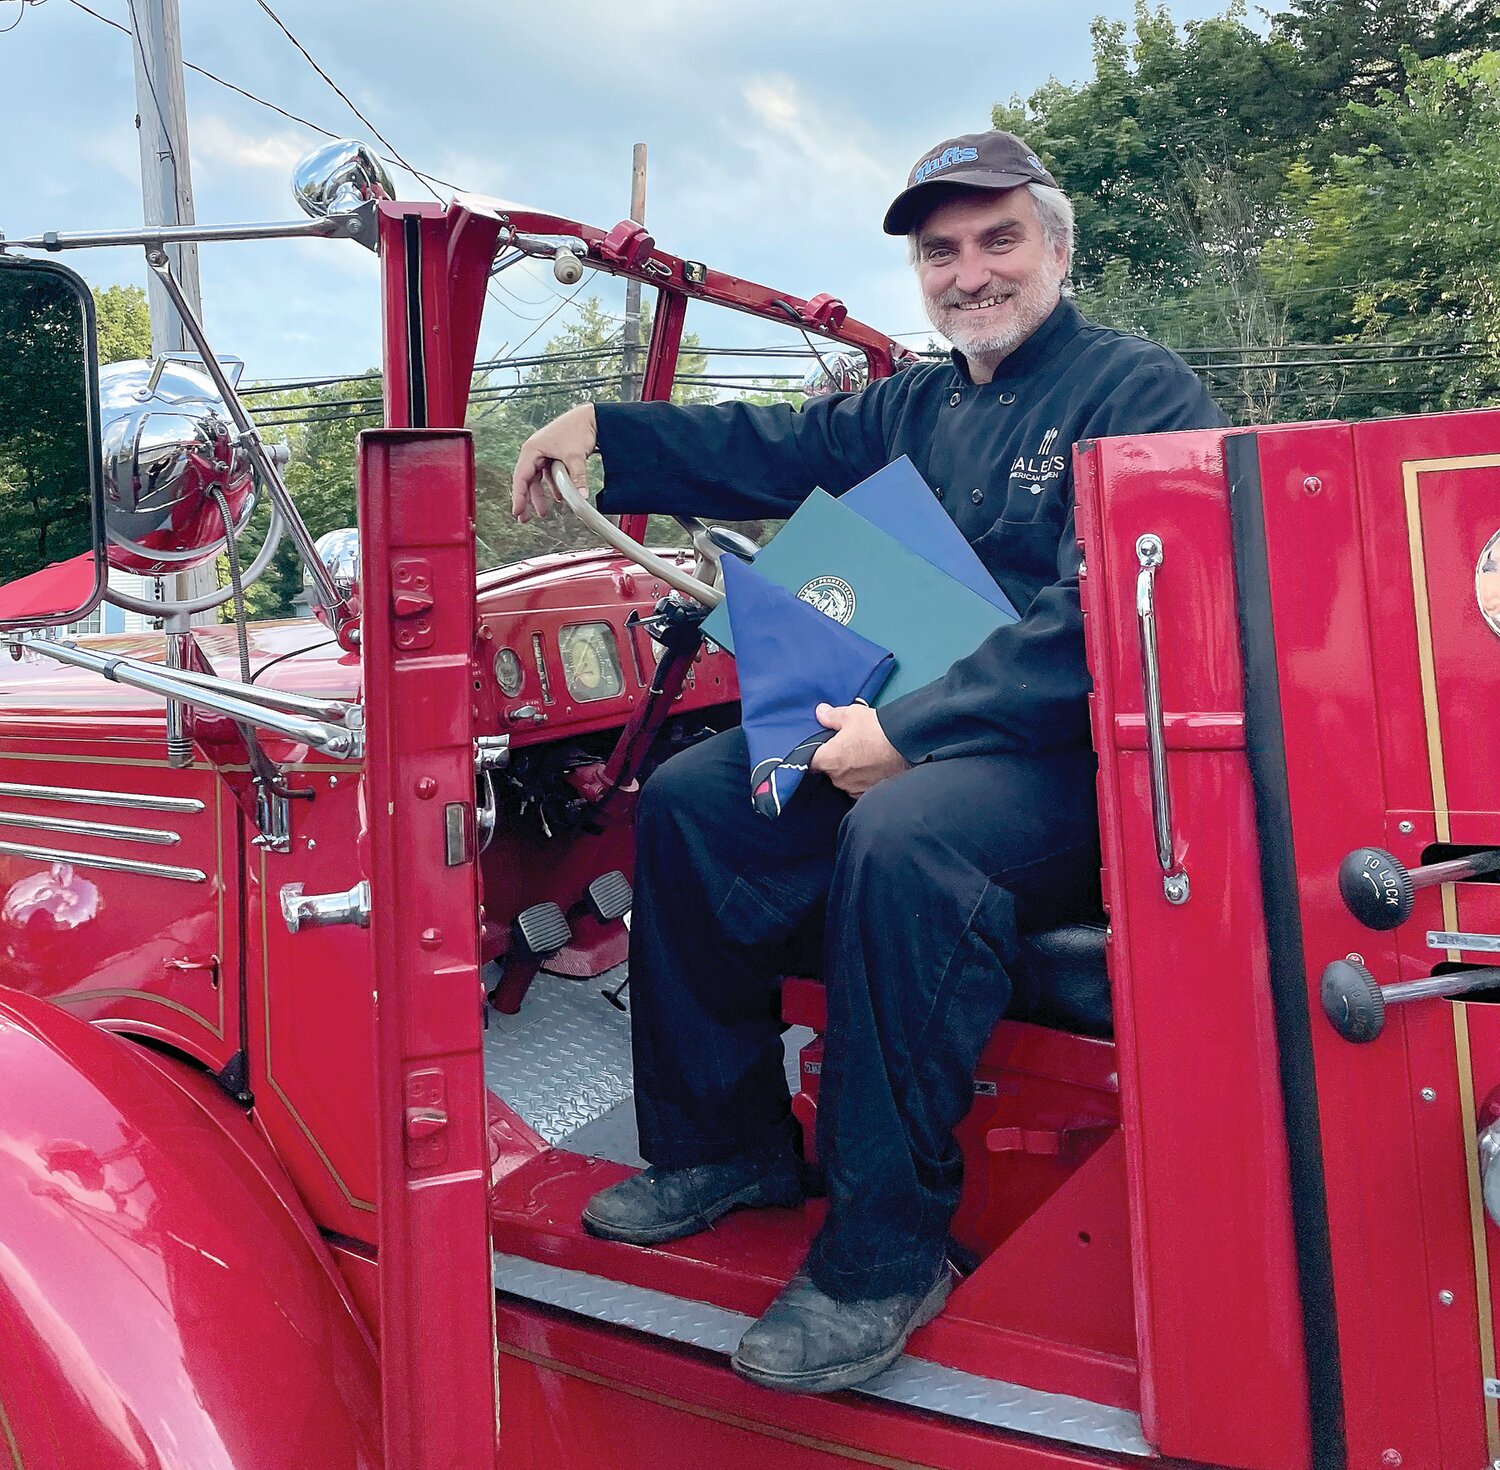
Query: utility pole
x=630, y=383
x=166, y=189
x=166, y=179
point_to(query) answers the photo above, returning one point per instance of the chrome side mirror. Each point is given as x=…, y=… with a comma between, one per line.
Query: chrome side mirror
x=343, y=177
x=51, y=550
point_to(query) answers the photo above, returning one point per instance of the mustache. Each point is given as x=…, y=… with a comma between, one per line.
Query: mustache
x=954, y=297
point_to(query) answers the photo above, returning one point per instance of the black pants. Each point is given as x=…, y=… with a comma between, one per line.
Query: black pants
x=921, y=886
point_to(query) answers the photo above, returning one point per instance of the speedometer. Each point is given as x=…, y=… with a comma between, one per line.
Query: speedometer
x=591, y=664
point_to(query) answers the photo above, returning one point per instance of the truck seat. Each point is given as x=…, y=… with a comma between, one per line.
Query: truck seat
x=1046, y=1089
x=1067, y=966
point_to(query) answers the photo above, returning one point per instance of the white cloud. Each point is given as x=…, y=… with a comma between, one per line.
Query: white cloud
x=791, y=121
x=216, y=141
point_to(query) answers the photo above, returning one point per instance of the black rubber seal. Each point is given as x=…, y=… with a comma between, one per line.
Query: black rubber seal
x=1265, y=745
x=416, y=368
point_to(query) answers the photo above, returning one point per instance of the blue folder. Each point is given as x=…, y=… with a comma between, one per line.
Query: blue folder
x=901, y=503
x=830, y=555
x=860, y=599
x=791, y=657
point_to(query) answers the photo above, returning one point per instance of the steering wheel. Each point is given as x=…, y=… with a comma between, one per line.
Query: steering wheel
x=709, y=542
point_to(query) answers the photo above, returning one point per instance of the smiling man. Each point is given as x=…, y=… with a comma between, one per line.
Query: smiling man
x=953, y=819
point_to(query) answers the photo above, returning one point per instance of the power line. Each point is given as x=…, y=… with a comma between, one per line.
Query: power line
x=249, y=96
x=344, y=96
x=21, y=10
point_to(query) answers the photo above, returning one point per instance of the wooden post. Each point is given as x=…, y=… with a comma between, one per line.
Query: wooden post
x=630, y=379
x=167, y=193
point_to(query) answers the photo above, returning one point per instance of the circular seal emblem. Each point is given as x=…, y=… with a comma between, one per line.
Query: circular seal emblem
x=832, y=596
x=1487, y=582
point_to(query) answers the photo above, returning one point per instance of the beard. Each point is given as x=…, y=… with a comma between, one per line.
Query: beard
x=1031, y=303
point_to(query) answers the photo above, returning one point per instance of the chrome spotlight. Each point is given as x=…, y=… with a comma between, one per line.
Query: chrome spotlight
x=168, y=443
x=342, y=177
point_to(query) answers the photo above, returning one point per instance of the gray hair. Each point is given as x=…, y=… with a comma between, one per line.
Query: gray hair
x=1055, y=211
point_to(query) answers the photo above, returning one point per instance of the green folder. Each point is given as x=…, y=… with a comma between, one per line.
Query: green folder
x=831, y=556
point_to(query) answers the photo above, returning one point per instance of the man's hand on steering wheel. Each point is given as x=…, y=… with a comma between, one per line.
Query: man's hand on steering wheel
x=570, y=437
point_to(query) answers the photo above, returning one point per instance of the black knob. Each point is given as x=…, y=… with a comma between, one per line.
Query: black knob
x=1352, y=1001
x=1376, y=888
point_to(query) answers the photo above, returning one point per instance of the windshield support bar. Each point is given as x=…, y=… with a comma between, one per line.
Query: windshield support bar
x=237, y=701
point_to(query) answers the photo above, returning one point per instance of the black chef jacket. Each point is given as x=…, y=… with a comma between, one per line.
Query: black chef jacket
x=998, y=455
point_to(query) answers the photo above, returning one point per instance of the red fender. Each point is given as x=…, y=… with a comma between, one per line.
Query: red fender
x=165, y=1302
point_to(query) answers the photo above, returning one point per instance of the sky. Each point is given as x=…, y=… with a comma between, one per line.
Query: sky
x=777, y=133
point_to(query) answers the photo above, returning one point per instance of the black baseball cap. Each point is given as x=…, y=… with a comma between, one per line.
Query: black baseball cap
x=975, y=161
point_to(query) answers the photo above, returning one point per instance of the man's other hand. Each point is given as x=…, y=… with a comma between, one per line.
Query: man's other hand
x=859, y=756
x=570, y=437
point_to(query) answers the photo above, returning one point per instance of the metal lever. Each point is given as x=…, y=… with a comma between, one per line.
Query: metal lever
x=319, y=910
x=1174, y=880
x=1379, y=889
x=1355, y=1003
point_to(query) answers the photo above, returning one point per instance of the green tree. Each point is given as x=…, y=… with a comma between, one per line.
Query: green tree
x=1328, y=185
x=583, y=363
x=123, y=321
x=320, y=474
x=1399, y=243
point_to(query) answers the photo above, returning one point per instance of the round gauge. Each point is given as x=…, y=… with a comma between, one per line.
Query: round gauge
x=508, y=672
x=590, y=663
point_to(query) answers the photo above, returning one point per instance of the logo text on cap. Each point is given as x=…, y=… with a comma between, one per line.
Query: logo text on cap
x=946, y=159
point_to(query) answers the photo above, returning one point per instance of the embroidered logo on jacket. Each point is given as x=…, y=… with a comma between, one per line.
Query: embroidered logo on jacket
x=1044, y=466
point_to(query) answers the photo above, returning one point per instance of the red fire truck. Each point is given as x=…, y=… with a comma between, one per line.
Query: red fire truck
x=311, y=1035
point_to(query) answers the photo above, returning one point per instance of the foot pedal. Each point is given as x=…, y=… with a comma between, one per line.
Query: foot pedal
x=543, y=929
x=610, y=897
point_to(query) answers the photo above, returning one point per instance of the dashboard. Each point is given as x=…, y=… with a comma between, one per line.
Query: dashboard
x=560, y=651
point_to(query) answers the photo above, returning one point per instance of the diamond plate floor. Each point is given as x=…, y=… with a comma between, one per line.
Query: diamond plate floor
x=563, y=1063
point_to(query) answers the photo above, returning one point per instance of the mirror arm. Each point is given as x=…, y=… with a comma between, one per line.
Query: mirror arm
x=339, y=227
x=339, y=614
x=238, y=701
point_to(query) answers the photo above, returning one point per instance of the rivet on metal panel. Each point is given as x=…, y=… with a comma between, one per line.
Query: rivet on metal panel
x=1391, y=1458
x=333, y=783
x=1312, y=484
x=426, y=788
x=1406, y=828
x=1446, y=1298
x=312, y=842
x=1429, y=1094
x=431, y=938
x=1355, y=959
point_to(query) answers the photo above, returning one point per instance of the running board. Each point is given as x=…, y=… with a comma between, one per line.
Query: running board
x=910, y=1381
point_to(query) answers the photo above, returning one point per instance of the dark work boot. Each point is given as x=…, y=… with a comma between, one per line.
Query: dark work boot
x=666, y=1204
x=809, y=1343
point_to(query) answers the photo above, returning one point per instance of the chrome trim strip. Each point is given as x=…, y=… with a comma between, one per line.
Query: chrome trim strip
x=912, y=1381
x=109, y=864
x=158, y=836
x=139, y=800
x=1457, y=940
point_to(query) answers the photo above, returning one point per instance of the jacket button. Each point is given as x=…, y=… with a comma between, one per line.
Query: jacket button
x=953, y=402
x=977, y=496
x=1007, y=398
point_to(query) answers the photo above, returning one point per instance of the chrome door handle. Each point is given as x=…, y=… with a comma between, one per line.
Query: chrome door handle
x=1174, y=879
